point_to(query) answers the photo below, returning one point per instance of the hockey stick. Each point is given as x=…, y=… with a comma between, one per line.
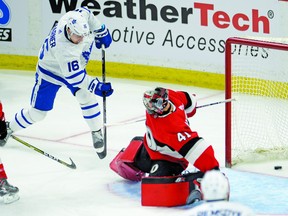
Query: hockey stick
x=218, y=102
x=72, y=165
x=142, y=118
x=103, y=153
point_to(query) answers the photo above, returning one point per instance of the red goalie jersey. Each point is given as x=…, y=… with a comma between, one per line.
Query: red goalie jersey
x=169, y=136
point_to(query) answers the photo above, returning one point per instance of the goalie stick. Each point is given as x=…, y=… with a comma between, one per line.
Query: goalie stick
x=103, y=153
x=218, y=102
x=142, y=118
x=72, y=165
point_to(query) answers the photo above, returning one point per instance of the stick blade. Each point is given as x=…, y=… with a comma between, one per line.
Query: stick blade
x=72, y=165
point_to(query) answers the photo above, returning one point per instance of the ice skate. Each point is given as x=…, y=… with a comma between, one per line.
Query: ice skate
x=9, y=132
x=194, y=196
x=98, y=141
x=8, y=193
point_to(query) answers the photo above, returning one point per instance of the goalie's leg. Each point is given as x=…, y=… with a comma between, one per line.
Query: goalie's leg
x=124, y=163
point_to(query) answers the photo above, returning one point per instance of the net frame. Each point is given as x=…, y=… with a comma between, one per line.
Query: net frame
x=228, y=86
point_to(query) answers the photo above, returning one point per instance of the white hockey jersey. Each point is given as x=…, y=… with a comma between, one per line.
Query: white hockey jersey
x=221, y=208
x=61, y=61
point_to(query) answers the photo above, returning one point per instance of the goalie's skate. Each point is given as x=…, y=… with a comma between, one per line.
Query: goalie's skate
x=194, y=196
x=98, y=141
x=9, y=193
x=9, y=132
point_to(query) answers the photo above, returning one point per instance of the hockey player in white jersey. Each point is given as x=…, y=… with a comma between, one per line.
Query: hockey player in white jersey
x=61, y=62
x=215, y=191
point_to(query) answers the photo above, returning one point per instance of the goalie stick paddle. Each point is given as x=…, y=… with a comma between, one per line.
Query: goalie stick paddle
x=103, y=153
x=72, y=165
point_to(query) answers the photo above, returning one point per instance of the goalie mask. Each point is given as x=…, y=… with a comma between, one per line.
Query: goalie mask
x=78, y=25
x=156, y=100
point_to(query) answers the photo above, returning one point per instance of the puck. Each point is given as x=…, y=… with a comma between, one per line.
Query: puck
x=277, y=167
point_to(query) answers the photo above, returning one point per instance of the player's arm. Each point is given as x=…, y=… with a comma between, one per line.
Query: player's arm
x=100, y=31
x=93, y=22
x=189, y=101
x=200, y=154
x=76, y=75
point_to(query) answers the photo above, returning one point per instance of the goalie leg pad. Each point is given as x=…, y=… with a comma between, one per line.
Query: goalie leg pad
x=123, y=163
x=167, y=191
x=125, y=169
x=132, y=149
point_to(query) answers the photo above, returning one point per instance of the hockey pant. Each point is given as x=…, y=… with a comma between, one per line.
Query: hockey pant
x=42, y=101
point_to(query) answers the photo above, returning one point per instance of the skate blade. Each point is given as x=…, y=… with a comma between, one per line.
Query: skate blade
x=10, y=198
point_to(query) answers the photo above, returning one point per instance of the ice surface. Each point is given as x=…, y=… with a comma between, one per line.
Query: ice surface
x=50, y=188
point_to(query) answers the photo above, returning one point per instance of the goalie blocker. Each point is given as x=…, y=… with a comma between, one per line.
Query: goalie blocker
x=165, y=191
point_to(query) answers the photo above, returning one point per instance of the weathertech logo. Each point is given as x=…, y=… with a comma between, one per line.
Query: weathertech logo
x=5, y=34
x=207, y=15
x=239, y=21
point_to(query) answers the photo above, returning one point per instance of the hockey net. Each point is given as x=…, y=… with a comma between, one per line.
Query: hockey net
x=256, y=73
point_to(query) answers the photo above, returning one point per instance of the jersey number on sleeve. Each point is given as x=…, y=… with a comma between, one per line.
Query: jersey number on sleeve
x=183, y=136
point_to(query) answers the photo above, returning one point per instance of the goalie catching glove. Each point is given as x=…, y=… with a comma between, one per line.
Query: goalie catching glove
x=100, y=88
x=102, y=37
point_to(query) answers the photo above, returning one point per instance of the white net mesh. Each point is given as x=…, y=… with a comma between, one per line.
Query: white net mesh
x=259, y=114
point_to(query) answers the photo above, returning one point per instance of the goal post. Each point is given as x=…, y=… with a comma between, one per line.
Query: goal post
x=256, y=124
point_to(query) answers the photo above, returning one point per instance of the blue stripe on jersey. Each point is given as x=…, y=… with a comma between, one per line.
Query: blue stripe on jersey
x=48, y=73
x=60, y=79
x=86, y=9
x=18, y=121
x=83, y=72
x=75, y=74
x=23, y=116
x=90, y=106
x=92, y=116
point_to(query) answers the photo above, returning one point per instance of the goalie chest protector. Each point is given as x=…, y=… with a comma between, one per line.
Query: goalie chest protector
x=165, y=191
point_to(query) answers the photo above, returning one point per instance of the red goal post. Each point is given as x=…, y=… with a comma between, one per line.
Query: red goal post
x=256, y=124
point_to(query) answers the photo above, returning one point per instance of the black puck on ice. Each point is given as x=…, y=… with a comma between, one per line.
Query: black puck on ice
x=277, y=167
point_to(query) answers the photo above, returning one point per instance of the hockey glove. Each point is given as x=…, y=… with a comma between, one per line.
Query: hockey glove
x=100, y=88
x=102, y=37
